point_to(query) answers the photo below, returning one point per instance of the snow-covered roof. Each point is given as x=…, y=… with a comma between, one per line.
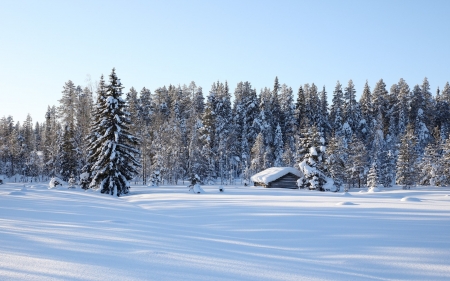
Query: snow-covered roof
x=274, y=173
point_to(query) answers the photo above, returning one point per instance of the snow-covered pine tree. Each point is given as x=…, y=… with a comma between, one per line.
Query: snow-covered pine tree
x=115, y=150
x=245, y=111
x=278, y=147
x=313, y=163
x=67, y=154
x=429, y=166
x=257, y=154
x=357, y=161
x=67, y=114
x=442, y=113
x=336, y=109
x=300, y=106
x=324, y=122
x=198, y=164
x=379, y=103
x=445, y=163
x=372, y=176
x=366, y=122
x=407, y=156
x=145, y=107
x=403, y=98
x=288, y=112
x=288, y=156
x=337, y=161
x=349, y=113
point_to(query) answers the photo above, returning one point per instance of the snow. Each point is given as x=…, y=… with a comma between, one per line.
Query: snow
x=247, y=233
x=345, y=203
x=84, y=176
x=410, y=199
x=197, y=189
x=271, y=174
x=54, y=182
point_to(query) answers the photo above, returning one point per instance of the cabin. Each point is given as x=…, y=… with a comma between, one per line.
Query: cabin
x=277, y=177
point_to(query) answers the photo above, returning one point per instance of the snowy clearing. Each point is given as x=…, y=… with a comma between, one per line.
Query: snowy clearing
x=244, y=233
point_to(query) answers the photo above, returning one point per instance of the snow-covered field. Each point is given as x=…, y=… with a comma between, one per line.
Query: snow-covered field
x=244, y=233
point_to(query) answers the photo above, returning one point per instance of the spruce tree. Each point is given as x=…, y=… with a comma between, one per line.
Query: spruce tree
x=372, y=177
x=406, y=173
x=114, y=149
x=336, y=110
x=278, y=147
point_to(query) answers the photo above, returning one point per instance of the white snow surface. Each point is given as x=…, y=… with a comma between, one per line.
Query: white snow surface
x=271, y=174
x=247, y=233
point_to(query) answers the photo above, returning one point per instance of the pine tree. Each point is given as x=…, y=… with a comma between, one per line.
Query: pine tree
x=278, y=145
x=300, y=106
x=349, y=113
x=372, y=177
x=336, y=110
x=366, y=122
x=336, y=161
x=428, y=166
x=114, y=150
x=313, y=163
x=257, y=154
x=358, y=160
x=406, y=174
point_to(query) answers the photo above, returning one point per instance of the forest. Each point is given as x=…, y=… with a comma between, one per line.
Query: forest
x=396, y=136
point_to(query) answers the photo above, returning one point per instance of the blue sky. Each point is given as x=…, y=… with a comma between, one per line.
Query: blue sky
x=154, y=43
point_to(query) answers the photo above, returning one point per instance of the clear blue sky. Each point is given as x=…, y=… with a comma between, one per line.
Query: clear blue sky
x=154, y=43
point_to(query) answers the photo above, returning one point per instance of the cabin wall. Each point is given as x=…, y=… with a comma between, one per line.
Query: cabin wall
x=286, y=181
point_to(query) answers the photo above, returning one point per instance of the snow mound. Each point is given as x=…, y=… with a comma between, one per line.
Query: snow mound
x=410, y=199
x=345, y=203
x=271, y=174
x=54, y=182
x=362, y=191
x=196, y=189
x=375, y=189
x=347, y=194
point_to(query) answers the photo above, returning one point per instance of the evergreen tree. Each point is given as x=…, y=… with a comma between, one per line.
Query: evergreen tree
x=358, y=160
x=372, y=176
x=406, y=174
x=336, y=110
x=349, y=113
x=300, y=106
x=336, y=161
x=313, y=163
x=257, y=154
x=278, y=146
x=114, y=151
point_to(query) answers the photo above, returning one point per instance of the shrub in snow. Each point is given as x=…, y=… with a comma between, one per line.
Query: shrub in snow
x=221, y=189
x=54, y=182
x=194, y=186
x=71, y=181
x=84, y=180
x=196, y=189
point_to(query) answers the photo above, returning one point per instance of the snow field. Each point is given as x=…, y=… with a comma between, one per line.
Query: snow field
x=244, y=233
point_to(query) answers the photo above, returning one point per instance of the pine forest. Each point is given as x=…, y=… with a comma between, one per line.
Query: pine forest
x=107, y=137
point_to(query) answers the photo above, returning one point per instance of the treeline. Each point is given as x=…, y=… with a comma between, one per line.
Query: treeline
x=388, y=136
